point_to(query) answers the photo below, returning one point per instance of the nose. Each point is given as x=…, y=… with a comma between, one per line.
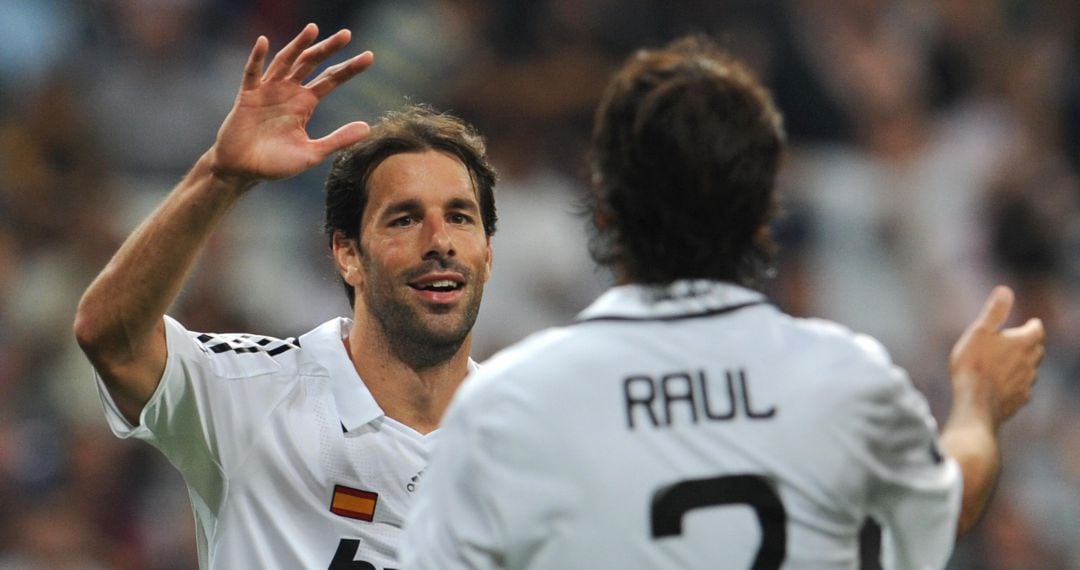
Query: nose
x=439, y=244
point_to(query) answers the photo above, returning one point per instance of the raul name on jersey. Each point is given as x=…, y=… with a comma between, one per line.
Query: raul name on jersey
x=690, y=396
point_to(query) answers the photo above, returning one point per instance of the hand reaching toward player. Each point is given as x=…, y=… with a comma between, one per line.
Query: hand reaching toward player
x=993, y=370
x=264, y=136
x=996, y=367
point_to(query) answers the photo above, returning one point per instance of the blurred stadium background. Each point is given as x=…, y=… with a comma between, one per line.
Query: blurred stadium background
x=935, y=151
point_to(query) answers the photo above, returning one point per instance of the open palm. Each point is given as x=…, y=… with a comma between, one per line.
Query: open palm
x=265, y=137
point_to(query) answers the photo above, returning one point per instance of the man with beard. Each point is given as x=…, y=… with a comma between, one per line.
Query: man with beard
x=304, y=453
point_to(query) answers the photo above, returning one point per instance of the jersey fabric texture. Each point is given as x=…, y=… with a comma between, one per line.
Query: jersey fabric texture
x=289, y=461
x=690, y=426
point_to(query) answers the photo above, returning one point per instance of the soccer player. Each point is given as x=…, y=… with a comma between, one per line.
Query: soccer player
x=305, y=452
x=684, y=422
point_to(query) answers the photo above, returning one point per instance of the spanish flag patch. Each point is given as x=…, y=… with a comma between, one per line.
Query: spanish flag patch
x=353, y=503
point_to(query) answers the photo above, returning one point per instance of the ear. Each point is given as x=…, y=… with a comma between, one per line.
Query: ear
x=763, y=233
x=600, y=220
x=347, y=259
x=487, y=261
x=602, y=217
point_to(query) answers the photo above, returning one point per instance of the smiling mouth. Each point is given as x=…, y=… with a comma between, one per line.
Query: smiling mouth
x=438, y=286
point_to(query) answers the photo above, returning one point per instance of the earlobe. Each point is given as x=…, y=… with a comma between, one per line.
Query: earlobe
x=487, y=264
x=352, y=274
x=602, y=217
x=347, y=258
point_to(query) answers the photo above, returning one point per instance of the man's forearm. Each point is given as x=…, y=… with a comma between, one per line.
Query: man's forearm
x=970, y=439
x=119, y=317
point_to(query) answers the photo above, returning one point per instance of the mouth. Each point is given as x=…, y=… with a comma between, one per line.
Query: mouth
x=439, y=288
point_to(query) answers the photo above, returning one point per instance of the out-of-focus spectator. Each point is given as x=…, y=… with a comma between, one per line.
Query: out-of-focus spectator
x=51, y=535
x=27, y=52
x=936, y=150
x=896, y=213
x=166, y=87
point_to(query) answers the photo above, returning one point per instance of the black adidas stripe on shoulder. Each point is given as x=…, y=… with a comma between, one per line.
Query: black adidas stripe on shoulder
x=246, y=343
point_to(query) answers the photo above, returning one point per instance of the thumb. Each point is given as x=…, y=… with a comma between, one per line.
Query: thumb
x=344, y=136
x=1032, y=329
x=996, y=309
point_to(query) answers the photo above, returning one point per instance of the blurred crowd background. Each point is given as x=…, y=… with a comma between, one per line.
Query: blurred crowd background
x=935, y=151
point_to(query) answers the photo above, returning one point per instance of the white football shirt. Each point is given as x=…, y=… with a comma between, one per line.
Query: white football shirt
x=693, y=426
x=289, y=461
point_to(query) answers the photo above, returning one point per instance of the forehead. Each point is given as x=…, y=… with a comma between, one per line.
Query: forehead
x=430, y=176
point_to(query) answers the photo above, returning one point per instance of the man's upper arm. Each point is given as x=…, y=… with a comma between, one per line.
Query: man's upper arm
x=183, y=373
x=132, y=383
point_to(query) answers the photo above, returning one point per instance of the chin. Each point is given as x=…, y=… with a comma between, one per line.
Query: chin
x=449, y=334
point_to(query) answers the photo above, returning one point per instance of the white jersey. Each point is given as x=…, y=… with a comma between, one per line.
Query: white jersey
x=289, y=461
x=689, y=427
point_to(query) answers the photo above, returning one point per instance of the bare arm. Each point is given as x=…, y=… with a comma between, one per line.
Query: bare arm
x=993, y=370
x=119, y=320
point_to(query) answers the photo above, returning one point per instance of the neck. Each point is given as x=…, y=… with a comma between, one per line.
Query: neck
x=415, y=395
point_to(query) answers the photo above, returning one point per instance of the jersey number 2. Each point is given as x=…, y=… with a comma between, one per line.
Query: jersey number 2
x=671, y=502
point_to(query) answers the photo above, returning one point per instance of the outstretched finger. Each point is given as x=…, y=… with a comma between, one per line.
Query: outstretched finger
x=349, y=134
x=996, y=309
x=253, y=68
x=335, y=75
x=283, y=61
x=315, y=55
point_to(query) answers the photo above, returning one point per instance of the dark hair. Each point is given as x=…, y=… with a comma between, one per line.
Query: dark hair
x=685, y=148
x=416, y=128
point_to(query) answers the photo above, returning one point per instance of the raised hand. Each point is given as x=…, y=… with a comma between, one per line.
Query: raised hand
x=997, y=367
x=264, y=136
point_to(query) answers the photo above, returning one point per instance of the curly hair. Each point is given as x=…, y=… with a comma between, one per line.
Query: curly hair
x=685, y=149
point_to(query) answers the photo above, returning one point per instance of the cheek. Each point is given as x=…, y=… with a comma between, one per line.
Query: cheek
x=386, y=256
x=385, y=246
x=479, y=248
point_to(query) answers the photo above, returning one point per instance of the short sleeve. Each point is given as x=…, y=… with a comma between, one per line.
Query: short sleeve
x=204, y=412
x=916, y=491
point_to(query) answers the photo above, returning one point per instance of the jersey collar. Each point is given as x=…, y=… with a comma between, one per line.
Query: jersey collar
x=678, y=300
x=355, y=404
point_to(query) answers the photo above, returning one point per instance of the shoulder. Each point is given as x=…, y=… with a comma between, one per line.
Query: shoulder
x=851, y=370
x=531, y=355
x=235, y=354
x=231, y=344
x=832, y=341
x=507, y=409
x=871, y=386
x=511, y=372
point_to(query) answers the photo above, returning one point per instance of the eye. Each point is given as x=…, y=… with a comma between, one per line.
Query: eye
x=403, y=221
x=459, y=218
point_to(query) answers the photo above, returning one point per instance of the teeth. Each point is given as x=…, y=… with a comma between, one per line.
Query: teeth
x=440, y=284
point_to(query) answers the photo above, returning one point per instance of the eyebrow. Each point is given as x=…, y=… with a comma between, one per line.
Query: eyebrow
x=462, y=204
x=412, y=206
x=403, y=207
